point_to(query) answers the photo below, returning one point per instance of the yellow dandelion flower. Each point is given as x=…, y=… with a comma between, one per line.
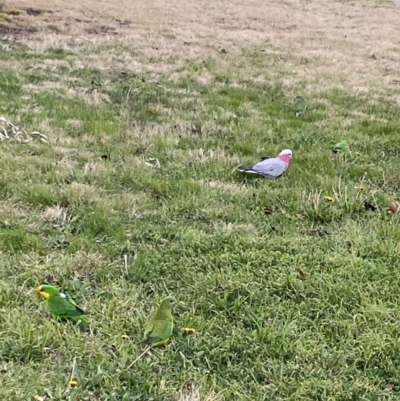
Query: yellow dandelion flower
x=329, y=198
x=189, y=330
x=72, y=383
x=124, y=336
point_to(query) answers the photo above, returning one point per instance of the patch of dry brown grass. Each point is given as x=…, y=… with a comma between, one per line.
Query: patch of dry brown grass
x=55, y=213
x=231, y=188
x=327, y=43
x=191, y=392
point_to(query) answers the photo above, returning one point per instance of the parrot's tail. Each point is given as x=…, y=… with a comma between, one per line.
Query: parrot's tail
x=82, y=321
x=249, y=170
x=244, y=169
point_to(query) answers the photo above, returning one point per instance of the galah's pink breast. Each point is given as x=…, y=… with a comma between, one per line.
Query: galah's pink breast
x=285, y=159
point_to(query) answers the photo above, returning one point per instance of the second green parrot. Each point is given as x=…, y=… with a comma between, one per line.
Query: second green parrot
x=60, y=304
x=300, y=105
x=342, y=146
x=160, y=325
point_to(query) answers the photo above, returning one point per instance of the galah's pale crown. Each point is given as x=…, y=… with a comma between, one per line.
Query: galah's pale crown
x=287, y=152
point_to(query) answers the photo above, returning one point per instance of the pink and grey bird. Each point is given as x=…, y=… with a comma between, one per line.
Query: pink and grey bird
x=270, y=168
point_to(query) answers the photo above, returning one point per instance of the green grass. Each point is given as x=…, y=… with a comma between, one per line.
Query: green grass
x=196, y=229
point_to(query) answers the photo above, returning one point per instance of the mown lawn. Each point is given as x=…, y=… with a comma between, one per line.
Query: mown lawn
x=299, y=304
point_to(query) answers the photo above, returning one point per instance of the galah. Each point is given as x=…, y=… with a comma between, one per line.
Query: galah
x=270, y=168
x=300, y=105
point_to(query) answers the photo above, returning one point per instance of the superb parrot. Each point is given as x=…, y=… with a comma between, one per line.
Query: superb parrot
x=60, y=304
x=160, y=324
x=270, y=168
x=300, y=105
x=342, y=146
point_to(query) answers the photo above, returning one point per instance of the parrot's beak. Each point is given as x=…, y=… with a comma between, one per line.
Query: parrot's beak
x=45, y=295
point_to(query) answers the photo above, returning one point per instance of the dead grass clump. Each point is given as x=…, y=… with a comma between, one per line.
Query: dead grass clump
x=9, y=131
x=216, y=154
x=55, y=213
x=84, y=193
x=231, y=188
x=191, y=392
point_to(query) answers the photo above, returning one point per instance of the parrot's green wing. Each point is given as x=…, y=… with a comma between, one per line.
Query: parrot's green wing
x=63, y=306
x=158, y=331
x=342, y=146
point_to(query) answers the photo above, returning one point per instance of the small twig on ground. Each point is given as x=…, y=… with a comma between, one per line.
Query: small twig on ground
x=143, y=353
x=126, y=263
x=73, y=369
x=10, y=131
x=156, y=163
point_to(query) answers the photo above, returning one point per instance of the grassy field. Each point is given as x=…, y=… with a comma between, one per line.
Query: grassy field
x=148, y=111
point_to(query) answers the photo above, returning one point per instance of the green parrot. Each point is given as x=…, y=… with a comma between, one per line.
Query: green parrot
x=342, y=146
x=61, y=305
x=300, y=105
x=160, y=325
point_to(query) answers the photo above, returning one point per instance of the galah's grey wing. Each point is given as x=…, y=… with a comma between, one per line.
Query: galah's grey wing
x=270, y=167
